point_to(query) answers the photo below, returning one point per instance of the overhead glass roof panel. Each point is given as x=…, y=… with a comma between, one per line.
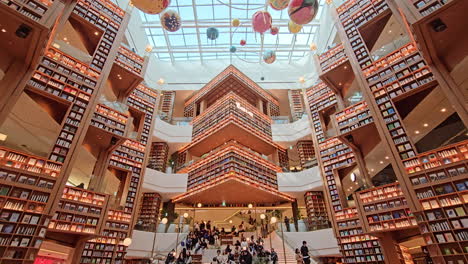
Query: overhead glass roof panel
x=191, y=42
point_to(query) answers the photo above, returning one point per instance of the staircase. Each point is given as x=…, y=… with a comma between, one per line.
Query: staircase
x=277, y=244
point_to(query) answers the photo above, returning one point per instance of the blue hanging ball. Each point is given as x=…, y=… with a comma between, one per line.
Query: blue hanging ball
x=233, y=49
x=212, y=33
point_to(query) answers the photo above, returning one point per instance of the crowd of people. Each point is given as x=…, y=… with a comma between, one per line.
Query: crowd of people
x=244, y=251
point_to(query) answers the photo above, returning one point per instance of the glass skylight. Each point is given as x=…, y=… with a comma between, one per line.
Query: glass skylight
x=191, y=43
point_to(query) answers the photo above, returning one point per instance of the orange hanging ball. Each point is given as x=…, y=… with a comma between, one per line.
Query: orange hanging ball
x=151, y=7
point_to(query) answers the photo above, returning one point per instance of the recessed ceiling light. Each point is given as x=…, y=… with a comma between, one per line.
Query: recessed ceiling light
x=381, y=162
x=65, y=38
x=372, y=170
x=96, y=33
x=3, y=137
x=425, y=125
x=339, y=84
x=389, y=31
x=416, y=132
x=443, y=110
x=386, y=157
x=3, y=30
x=345, y=67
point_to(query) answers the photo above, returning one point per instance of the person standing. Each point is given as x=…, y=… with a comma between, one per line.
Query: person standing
x=298, y=257
x=305, y=253
x=286, y=222
x=273, y=256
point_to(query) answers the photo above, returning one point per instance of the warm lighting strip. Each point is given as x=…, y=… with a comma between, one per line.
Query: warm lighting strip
x=417, y=163
x=390, y=59
x=227, y=121
x=331, y=52
x=329, y=60
x=232, y=176
x=226, y=148
x=129, y=58
x=111, y=6
x=135, y=145
x=376, y=194
x=229, y=97
x=112, y=113
x=28, y=162
x=231, y=70
x=147, y=91
x=57, y=55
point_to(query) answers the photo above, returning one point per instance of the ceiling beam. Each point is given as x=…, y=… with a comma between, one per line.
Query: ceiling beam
x=185, y=50
x=194, y=4
x=195, y=23
x=168, y=43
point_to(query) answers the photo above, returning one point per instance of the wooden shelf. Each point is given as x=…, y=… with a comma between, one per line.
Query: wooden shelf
x=296, y=103
x=305, y=149
x=231, y=117
x=38, y=16
x=27, y=184
x=385, y=209
x=317, y=217
x=80, y=212
x=158, y=156
x=149, y=211
x=167, y=105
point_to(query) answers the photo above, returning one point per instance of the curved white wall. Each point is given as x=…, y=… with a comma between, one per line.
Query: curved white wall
x=291, y=132
x=320, y=242
x=142, y=243
x=302, y=181
x=172, y=133
x=282, y=133
x=166, y=184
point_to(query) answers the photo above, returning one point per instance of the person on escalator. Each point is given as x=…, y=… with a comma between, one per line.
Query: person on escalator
x=305, y=253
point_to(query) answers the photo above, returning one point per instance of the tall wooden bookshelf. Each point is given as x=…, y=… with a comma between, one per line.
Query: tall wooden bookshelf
x=332, y=154
x=296, y=103
x=167, y=105
x=317, y=217
x=430, y=192
x=158, y=156
x=305, y=149
x=150, y=205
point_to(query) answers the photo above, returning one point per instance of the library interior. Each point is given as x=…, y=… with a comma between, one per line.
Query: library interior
x=246, y=131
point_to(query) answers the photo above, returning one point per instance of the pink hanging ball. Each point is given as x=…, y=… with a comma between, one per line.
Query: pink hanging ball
x=261, y=21
x=302, y=12
x=243, y=42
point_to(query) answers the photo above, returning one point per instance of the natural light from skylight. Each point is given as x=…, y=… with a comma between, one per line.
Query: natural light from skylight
x=191, y=43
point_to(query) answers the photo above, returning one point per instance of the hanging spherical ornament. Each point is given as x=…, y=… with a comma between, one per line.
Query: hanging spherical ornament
x=235, y=22
x=261, y=21
x=243, y=42
x=274, y=30
x=279, y=4
x=170, y=21
x=302, y=11
x=212, y=33
x=293, y=27
x=269, y=56
x=233, y=49
x=151, y=6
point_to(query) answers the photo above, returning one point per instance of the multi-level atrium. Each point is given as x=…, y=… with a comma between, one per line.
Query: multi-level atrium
x=153, y=130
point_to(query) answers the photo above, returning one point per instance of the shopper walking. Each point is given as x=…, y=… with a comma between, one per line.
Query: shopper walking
x=305, y=253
